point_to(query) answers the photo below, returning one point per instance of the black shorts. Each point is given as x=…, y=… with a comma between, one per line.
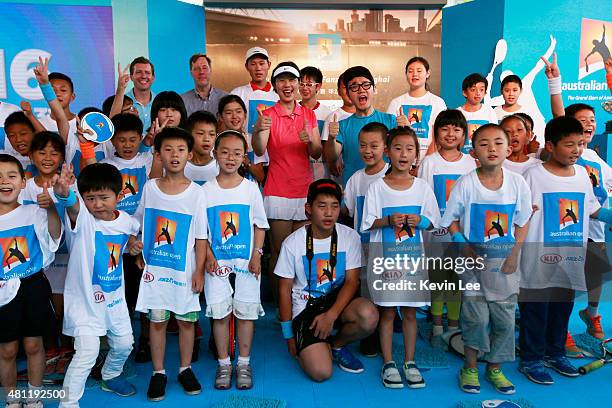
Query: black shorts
x=304, y=336
x=132, y=275
x=30, y=313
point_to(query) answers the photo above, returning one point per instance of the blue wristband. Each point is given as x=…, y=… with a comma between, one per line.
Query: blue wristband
x=68, y=201
x=605, y=215
x=424, y=223
x=458, y=237
x=48, y=92
x=287, y=328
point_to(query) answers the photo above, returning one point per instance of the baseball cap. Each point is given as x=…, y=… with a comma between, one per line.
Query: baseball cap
x=251, y=52
x=324, y=186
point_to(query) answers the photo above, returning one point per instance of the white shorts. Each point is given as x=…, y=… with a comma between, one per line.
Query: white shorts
x=242, y=310
x=288, y=209
x=246, y=294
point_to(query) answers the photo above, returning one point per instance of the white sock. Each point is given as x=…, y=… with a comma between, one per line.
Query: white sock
x=225, y=361
x=437, y=330
x=162, y=371
x=33, y=388
x=244, y=360
x=593, y=311
x=181, y=369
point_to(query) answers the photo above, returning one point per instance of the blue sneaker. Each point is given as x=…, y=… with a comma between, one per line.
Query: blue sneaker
x=536, y=372
x=119, y=385
x=561, y=365
x=347, y=361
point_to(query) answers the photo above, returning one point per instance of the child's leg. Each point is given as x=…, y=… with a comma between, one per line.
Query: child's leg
x=157, y=339
x=245, y=329
x=385, y=331
x=437, y=306
x=502, y=318
x=221, y=334
x=35, y=353
x=186, y=339
x=8, y=365
x=533, y=328
x=86, y=352
x=120, y=349
x=453, y=308
x=409, y=329
x=559, y=312
x=58, y=305
x=475, y=323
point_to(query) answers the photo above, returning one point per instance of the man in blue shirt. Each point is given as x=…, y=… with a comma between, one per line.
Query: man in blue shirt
x=142, y=74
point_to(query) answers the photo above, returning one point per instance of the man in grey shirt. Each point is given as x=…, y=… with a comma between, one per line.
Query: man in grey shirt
x=203, y=96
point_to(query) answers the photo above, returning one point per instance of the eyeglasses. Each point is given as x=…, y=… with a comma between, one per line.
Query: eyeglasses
x=308, y=84
x=365, y=86
x=228, y=154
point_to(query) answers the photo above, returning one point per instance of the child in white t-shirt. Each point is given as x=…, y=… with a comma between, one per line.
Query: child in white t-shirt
x=511, y=88
x=202, y=167
x=30, y=235
x=236, y=228
x=474, y=89
x=398, y=208
x=490, y=208
x=441, y=170
x=420, y=106
x=518, y=160
x=173, y=214
x=94, y=304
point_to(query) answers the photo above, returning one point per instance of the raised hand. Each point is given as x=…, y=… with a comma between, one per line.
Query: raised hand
x=41, y=71
x=402, y=119
x=264, y=122
x=63, y=181
x=123, y=79
x=44, y=199
x=26, y=107
x=552, y=69
x=80, y=132
x=334, y=127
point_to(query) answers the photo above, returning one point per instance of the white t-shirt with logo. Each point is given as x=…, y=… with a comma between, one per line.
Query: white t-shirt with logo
x=488, y=219
x=134, y=174
x=27, y=246
x=555, y=248
x=520, y=167
x=170, y=226
x=600, y=174
x=421, y=112
x=94, y=293
x=202, y=174
x=441, y=175
x=482, y=116
x=501, y=113
x=354, y=196
x=232, y=214
x=293, y=264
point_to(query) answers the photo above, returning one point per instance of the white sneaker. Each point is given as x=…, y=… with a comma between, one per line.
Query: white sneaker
x=390, y=376
x=413, y=375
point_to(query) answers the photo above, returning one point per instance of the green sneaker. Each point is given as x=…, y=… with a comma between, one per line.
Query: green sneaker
x=500, y=382
x=468, y=380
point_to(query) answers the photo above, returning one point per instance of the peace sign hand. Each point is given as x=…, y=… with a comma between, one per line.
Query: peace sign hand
x=123, y=77
x=552, y=69
x=41, y=71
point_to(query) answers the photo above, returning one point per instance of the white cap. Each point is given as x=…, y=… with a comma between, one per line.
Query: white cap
x=256, y=50
x=285, y=69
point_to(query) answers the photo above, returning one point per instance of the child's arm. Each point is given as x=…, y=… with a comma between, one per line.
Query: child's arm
x=197, y=281
x=553, y=74
x=26, y=107
x=65, y=195
x=261, y=133
x=122, y=82
x=395, y=219
x=41, y=71
x=156, y=168
x=418, y=221
x=258, y=242
x=285, y=305
x=211, y=262
x=333, y=149
x=511, y=262
x=54, y=223
x=134, y=246
x=88, y=154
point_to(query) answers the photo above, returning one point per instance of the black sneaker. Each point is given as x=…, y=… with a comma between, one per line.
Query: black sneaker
x=157, y=387
x=370, y=346
x=189, y=382
x=143, y=353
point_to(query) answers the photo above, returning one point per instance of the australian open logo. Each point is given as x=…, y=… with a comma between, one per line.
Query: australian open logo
x=148, y=277
x=99, y=297
x=551, y=258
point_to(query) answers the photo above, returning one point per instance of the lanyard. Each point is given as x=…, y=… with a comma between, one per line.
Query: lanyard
x=333, y=254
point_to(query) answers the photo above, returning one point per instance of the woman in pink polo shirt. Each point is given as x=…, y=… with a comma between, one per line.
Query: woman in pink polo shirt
x=290, y=134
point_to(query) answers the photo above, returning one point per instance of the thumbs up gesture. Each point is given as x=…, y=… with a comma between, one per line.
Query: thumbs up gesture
x=402, y=119
x=263, y=122
x=305, y=132
x=44, y=199
x=334, y=127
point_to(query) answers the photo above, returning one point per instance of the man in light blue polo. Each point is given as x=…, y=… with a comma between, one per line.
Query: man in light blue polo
x=142, y=74
x=203, y=96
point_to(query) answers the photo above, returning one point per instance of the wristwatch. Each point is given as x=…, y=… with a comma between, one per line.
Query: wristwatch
x=259, y=251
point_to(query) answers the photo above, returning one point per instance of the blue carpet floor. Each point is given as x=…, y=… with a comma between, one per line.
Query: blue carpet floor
x=277, y=375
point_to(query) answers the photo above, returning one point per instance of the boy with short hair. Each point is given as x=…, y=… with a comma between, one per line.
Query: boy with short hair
x=474, y=88
x=202, y=167
x=344, y=135
x=172, y=210
x=5, y=110
x=311, y=80
x=489, y=207
x=94, y=303
x=564, y=202
x=19, y=134
x=511, y=88
x=29, y=237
